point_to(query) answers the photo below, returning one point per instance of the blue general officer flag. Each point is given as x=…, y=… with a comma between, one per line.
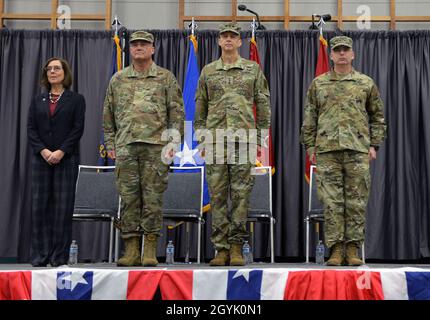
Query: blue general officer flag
x=189, y=156
x=103, y=159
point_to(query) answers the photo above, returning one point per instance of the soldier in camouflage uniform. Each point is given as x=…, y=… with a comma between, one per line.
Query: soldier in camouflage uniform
x=342, y=128
x=142, y=101
x=227, y=91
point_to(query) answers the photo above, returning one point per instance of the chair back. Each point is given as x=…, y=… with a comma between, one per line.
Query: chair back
x=260, y=199
x=184, y=193
x=96, y=191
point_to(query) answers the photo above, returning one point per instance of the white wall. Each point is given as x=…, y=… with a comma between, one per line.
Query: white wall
x=164, y=14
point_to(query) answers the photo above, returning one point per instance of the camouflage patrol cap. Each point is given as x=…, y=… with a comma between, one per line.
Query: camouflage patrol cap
x=142, y=35
x=231, y=26
x=340, y=41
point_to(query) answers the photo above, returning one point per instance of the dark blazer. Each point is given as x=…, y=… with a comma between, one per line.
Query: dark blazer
x=61, y=131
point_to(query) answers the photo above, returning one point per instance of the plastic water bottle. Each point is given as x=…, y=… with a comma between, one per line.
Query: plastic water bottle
x=73, y=253
x=170, y=253
x=319, y=253
x=246, y=252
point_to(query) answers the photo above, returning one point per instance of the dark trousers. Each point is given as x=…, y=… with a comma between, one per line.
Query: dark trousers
x=53, y=192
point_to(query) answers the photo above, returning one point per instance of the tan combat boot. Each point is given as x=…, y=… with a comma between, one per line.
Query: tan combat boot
x=131, y=256
x=336, y=255
x=221, y=259
x=351, y=254
x=150, y=251
x=236, y=258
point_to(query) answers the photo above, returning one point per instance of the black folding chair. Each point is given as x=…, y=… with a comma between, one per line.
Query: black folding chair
x=96, y=197
x=260, y=204
x=183, y=201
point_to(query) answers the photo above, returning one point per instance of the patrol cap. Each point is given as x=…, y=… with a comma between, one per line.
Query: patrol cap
x=231, y=26
x=340, y=41
x=142, y=35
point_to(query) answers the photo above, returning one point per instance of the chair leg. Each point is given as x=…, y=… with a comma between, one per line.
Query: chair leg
x=272, y=241
x=199, y=240
x=362, y=253
x=117, y=234
x=111, y=239
x=142, y=248
x=117, y=240
x=251, y=234
x=307, y=239
x=187, y=242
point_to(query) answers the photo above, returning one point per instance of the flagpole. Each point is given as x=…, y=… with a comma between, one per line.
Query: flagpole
x=320, y=25
x=116, y=23
x=124, y=32
x=193, y=26
x=253, y=29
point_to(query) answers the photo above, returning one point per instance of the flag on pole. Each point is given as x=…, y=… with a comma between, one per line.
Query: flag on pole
x=116, y=65
x=265, y=158
x=189, y=155
x=323, y=66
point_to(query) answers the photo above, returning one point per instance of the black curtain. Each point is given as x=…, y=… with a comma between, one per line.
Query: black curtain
x=398, y=220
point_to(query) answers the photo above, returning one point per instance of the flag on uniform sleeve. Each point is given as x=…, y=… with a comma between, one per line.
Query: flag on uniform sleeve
x=189, y=155
x=323, y=66
x=266, y=155
x=116, y=65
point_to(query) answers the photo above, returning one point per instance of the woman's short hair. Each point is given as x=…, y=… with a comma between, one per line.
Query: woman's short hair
x=67, y=81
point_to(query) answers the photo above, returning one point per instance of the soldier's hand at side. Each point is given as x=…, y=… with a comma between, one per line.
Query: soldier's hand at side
x=313, y=158
x=169, y=154
x=311, y=155
x=112, y=154
x=202, y=153
x=372, y=154
x=258, y=151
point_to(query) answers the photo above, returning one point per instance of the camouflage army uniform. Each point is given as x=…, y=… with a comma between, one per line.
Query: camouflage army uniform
x=138, y=108
x=224, y=100
x=343, y=118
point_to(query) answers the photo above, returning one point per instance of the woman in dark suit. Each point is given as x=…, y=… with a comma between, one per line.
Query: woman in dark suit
x=55, y=126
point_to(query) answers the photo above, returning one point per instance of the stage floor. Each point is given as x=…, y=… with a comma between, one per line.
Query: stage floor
x=258, y=281
x=192, y=266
